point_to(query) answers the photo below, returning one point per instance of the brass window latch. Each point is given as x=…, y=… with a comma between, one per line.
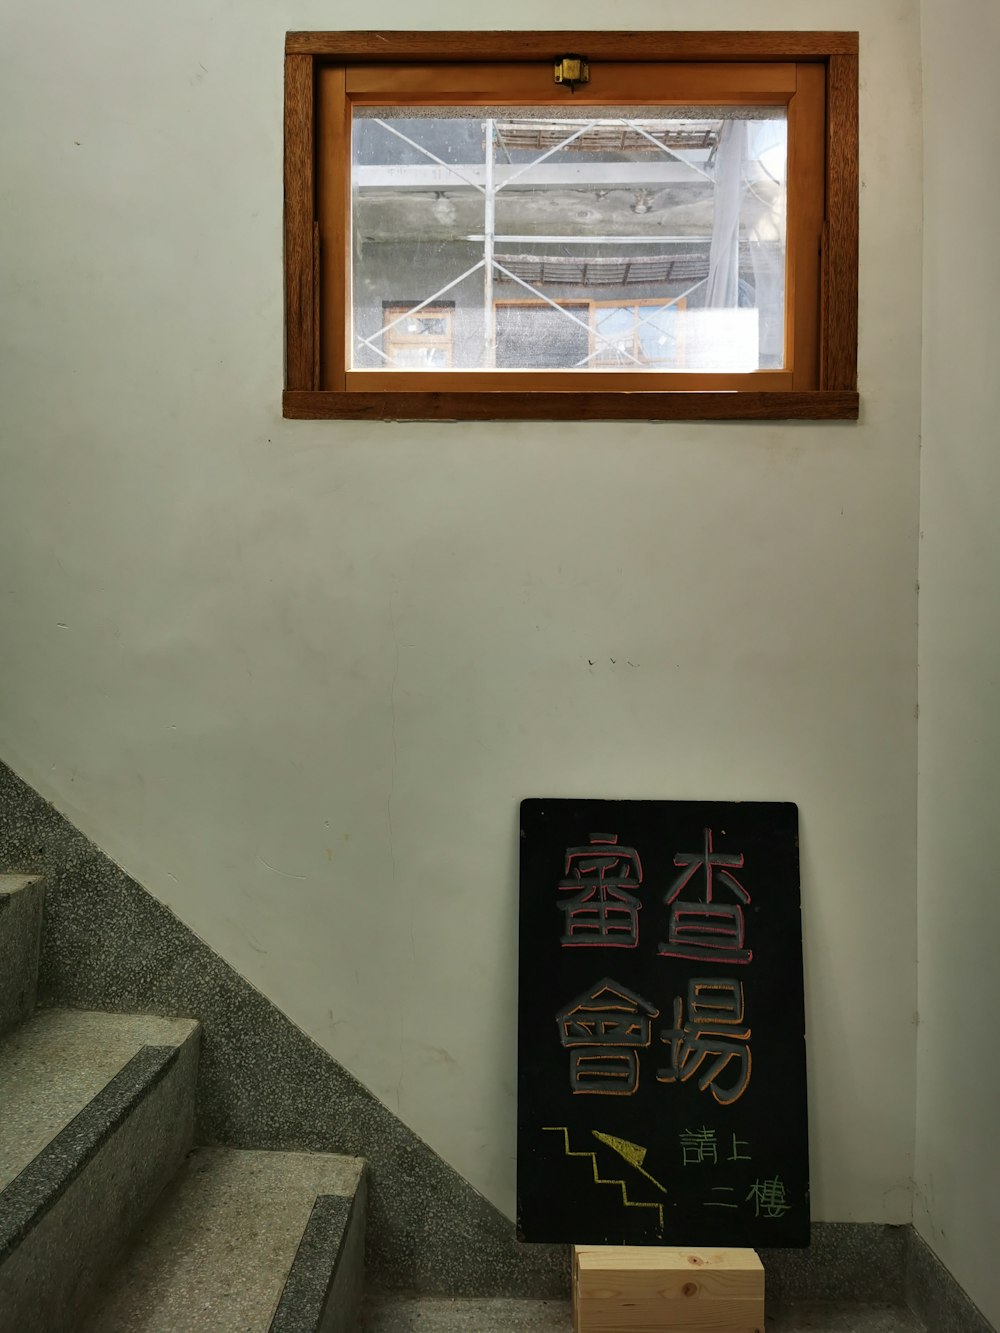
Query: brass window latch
x=572, y=70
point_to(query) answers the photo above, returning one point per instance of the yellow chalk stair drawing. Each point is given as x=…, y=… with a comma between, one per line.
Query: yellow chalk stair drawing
x=633, y=1153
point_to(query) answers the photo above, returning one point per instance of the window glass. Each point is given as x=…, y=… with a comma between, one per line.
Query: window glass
x=416, y=336
x=537, y=336
x=603, y=238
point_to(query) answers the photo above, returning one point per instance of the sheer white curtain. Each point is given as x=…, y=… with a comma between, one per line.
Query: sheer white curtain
x=723, y=289
x=749, y=176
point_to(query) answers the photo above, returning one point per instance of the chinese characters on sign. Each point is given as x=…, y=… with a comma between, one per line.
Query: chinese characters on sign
x=711, y=931
x=605, y=1028
x=604, y=1031
x=602, y=912
x=715, y=1032
x=668, y=1103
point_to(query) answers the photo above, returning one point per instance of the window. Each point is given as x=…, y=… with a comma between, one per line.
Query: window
x=467, y=238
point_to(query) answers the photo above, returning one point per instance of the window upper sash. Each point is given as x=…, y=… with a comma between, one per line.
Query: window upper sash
x=638, y=84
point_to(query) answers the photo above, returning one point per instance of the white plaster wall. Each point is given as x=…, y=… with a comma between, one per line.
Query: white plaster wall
x=296, y=676
x=958, y=1126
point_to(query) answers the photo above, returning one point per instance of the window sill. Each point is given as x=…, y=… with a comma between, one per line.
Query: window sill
x=709, y=405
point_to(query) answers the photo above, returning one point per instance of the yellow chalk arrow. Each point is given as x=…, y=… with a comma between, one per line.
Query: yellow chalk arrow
x=633, y=1153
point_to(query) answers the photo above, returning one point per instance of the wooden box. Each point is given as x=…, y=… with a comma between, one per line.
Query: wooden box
x=638, y=1289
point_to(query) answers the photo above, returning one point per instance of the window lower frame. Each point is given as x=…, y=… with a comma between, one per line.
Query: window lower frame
x=308, y=287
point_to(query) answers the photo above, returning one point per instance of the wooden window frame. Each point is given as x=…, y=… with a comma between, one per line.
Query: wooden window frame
x=316, y=66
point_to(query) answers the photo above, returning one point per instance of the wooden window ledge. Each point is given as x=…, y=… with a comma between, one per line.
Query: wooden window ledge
x=805, y=405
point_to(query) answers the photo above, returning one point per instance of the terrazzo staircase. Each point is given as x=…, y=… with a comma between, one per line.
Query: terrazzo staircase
x=110, y=1221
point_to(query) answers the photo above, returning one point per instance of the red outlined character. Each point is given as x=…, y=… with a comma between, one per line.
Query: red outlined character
x=709, y=931
x=714, y=1031
x=603, y=1030
x=602, y=913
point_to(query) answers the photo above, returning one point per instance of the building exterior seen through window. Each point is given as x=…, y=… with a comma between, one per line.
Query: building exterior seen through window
x=418, y=336
x=592, y=239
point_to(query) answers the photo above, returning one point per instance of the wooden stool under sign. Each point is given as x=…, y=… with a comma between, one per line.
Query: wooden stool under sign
x=639, y=1289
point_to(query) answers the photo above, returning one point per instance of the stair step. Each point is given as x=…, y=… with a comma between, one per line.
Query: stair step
x=96, y=1113
x=439, y=1314
x=21, y=899
x=465, y=1314
x=245, y=1242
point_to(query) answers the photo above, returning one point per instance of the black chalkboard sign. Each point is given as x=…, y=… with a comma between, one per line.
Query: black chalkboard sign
x=661, y=1032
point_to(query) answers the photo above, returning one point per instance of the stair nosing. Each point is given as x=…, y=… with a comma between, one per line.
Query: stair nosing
x=43, y=1182
x=310, y=1279
x=7, y=895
